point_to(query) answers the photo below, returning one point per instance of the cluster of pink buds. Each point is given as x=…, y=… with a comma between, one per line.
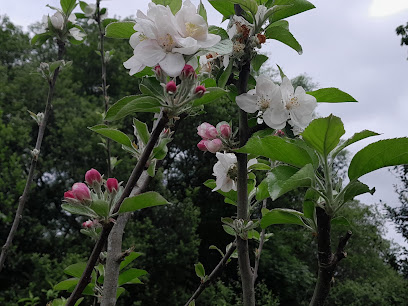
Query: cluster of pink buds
x=90, y=224
x=279, y=133
x=214, y=138
x=179, y=95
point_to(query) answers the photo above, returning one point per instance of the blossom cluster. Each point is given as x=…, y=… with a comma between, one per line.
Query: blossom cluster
x=214, y=138
x=87, y=194
x=277, y=105
x=163, y=38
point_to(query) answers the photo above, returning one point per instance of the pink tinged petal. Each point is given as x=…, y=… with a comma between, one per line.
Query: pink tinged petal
x=149, y=53
x=276, y=117
x=202, y=145
x=247, y=102
x=203, y=128
x=213, y=145
x=172, y=64
x=81, y=192
x=286, y=89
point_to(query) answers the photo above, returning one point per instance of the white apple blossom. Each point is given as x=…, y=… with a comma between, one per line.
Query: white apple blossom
x=266, y=98
x=299, y=105
x=57, y=21
x=77, y=34
x=225, y=171
x=162, y=38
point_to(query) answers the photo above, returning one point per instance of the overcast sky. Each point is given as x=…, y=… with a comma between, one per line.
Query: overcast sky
x=351, y=45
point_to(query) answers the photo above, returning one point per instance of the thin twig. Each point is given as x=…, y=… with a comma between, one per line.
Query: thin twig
x=134, y=177
x=259, y=251
x=24, y=197
x=213, y=275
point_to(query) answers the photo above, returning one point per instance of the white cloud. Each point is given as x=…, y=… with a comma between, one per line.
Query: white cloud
x=381, y=8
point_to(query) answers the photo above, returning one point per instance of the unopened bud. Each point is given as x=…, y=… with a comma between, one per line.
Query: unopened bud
x=69, y=195
x=57, y=21
x=93, y=176
x=279, y=133
x=200, y=90
x=188, y=72
x=112, y=185
x=207, y=131
x=87, y=224
x=171, y=87
x=202, y=145
x=158, y=71
x=81, y=192
x=214, y=145
x=224, y=129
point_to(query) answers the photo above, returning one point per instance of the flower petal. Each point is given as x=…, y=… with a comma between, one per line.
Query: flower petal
x=172, y=64
x=276, y=117
x=247, y=102
x=286, y=89
x=149, y=52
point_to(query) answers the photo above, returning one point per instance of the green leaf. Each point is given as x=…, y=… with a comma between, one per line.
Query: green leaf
x=101, y=207
x=122, y=30
x=228, y=229
x=281, y=216
x=40, y=38
x=280, y=31
x=293, y=7
x=277, y=148
x=147, y=71
x=249, y=5
x=211, y=95
x=383, y=153
x=331, y=95
x=119, y=291
x=225, y=8
x=161, y=150
x=142, y=130
x=308, y=209
x=262, y=192
x=202, y=11
x=129, y=275
x=66, y=284
x=356, y=137
x=199, y=269
x=128, y=259
x=174, y=5
x=354, y=189
x=323, y=134
x=258, y=60
x=75, y=270
x=192, y=303
x=79, y=210
x=281, y=73
x=151, y=87
x=259, y=166
x=144, y=200
x=218, y=31
x=222, y=81
x=222, y=48
x=283, y=179
x=340, y=221
x=113, y=134
x=132, y=104
x=68, y=6
x=152, y=168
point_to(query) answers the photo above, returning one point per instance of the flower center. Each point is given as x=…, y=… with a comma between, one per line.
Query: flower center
x=293, y=102
x=167, y=42
x=233, y=172
x=263, y=103
x=193, y=30
x=142, y=37
x=238, y=47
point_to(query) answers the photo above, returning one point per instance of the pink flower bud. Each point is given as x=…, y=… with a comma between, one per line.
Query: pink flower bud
x=112, y=185
x=93, y=176
x=171, y=87
x=69, y=195
x=188, y=72
x=87, y=224
x=214, y=145
x=158, y=70
x=225, y=130
x=200, y=90
x=279, y=133
x=81, y=192
x=207, y=131
x=202, y=145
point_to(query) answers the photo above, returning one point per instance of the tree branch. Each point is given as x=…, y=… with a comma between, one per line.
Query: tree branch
x=213, y=275
x=134, y=177
x=327, y=260
x=24, y=197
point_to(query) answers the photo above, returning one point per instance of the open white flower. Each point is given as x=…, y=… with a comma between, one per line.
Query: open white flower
x=266, y=98
x=77, y=34
x=225, y=171
x=163, y=39
x=193, y=30
x=298, y=103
